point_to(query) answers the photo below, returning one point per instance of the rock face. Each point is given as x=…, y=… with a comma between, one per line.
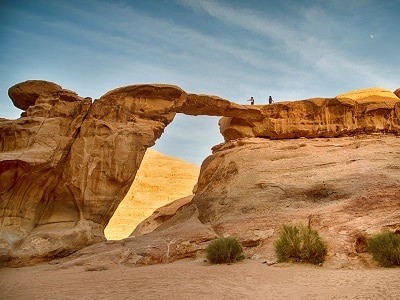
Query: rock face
x=160, y=216
x=397, y=92
x=363, y=111
x=179, y=237
x=67, y=163
x=160, y=180
x=25, y=95
x=346, y=188
x=34, y=153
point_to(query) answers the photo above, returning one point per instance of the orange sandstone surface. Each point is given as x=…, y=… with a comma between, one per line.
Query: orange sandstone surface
x=160, y=180
x=68, y=162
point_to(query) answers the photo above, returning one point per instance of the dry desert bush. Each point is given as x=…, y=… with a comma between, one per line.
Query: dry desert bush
x=224, y=250
x=300, y=244
x=385, y=249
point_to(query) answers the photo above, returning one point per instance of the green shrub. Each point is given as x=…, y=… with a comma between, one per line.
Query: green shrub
x=300, y=244
x=385, y=249
x=224, y=250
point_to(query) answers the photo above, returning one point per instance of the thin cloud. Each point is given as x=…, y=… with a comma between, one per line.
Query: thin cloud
x=310, y=50
x=231, y=49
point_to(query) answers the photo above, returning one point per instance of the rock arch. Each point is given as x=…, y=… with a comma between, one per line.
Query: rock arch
x=66, y=164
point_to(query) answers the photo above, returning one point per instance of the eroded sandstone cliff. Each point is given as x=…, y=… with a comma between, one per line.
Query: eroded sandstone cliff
x=347, y=188
x=357, y=112
x=67, y=163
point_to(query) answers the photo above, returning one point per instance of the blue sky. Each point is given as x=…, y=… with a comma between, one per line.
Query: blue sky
x=233, y=49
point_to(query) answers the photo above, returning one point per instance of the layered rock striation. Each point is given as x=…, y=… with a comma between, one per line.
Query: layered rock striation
x=67, y=163
x=345, y=188
x=357, y=112
x=35, y=151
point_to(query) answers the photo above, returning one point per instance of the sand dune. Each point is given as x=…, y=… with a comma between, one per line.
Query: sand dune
x=160, y=180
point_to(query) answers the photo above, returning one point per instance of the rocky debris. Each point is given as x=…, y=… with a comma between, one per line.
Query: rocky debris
x=67, y=163
x=183, y=238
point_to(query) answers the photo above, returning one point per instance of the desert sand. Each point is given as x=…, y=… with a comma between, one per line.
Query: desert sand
x=196, y=279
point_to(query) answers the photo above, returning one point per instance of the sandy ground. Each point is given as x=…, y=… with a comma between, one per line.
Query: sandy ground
x=250, y=279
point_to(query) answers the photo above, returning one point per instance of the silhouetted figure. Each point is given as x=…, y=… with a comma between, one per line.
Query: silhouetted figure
x=251, y=101
x=270, y=100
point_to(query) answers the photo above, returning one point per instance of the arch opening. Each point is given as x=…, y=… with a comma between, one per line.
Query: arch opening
x=168, y=172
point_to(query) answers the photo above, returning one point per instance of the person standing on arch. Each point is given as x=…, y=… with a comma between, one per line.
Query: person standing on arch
x=270, y=101
x=251, y=100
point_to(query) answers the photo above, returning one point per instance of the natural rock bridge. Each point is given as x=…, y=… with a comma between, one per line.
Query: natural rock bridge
x=66, y=164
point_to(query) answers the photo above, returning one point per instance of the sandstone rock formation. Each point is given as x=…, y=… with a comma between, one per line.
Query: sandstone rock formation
x=160, y=216
x=34, y=154
x=397, y=92
x=181, y=237
x=160, y=180
x=363, y=111
x=346, y=188
x=67, y=163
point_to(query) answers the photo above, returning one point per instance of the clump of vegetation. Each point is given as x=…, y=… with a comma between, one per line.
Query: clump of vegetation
x=385, y=249
x=300, y=244
x=224, y=250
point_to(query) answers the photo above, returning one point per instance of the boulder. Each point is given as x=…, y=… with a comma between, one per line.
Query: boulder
x=25, y=94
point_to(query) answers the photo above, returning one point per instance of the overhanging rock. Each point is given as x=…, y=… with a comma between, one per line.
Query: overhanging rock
x=67, y=163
